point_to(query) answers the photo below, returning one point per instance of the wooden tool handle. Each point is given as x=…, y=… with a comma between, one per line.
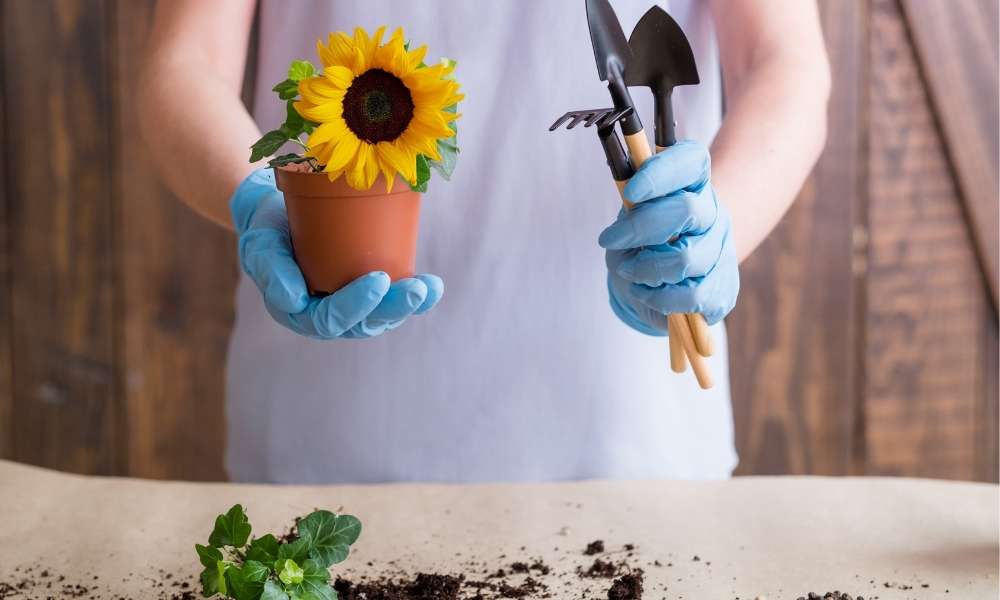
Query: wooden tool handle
x=701, y=334
x=678, y=358
x=677, y=324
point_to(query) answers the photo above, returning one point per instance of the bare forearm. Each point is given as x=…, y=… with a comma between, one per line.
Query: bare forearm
x=193, y=121
x=777, y=86
x=762, y=155
x=202, y=154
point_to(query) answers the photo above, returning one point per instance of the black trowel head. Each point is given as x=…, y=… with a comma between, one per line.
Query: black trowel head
x=661, y=54
x=611, y=49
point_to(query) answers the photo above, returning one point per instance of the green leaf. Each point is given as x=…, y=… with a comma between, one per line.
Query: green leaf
x=255, y=571
x=315, y=583
x=231, y=529
x=287, y=89
x=290, y=572
x=273, y=591
x=213, y=579
x=208, y=555
x=293, y=120
x=300, y=69
x=287, y=159
x=297, y=550
x=423, y=174
x=209, y=581
x=267, y=145
x=330, y=535
x=246, y=582
x=448, y=150
x=264, y=549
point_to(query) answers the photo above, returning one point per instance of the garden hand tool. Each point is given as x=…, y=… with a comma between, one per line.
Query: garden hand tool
x=662, y=59
x=605, y=119
x=368, y=306
x=621, y=172
x=613, y=55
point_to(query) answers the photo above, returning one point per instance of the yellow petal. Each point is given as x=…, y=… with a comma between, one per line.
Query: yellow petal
x=344, y=152
x=415, y=57
x=328, y=132
x=324, y=112
x=339, y=75
x=389, y=153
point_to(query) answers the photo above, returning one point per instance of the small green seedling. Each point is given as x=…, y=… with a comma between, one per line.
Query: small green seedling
x=239, y=567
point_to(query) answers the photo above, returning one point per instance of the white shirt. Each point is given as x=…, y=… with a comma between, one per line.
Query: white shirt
x=522, y=372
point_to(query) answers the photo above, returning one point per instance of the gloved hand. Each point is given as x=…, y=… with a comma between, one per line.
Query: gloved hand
x=366, y=307
x=649, y=277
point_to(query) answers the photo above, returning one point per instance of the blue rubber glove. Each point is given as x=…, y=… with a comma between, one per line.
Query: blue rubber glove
x=368, y=306
x=649, y=277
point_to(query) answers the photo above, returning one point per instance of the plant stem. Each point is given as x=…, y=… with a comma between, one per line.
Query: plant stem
x=299, y=142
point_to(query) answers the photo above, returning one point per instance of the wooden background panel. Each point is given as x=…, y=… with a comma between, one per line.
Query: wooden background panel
x=956, y=42
x=927, y=305
x=6, y=384
x=60, y=236
x=792, y=333
x=177, y=282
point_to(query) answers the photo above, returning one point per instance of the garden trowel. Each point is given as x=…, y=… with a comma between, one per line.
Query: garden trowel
x=614, y=57
x=661, y=60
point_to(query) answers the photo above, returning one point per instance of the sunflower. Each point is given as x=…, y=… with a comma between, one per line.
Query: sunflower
x=377, y=106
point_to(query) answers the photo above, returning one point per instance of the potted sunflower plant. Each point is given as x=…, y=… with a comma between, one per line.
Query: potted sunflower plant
x=377, y=120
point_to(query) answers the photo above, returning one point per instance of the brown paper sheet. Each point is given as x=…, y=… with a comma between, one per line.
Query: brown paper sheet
x=777, y=537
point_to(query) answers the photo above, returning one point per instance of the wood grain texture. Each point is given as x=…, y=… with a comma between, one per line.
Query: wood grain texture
x=6, y=384
x=929, y=319
x=792, y=376
x=956, y=45
x=177, y=282
x=60, y=236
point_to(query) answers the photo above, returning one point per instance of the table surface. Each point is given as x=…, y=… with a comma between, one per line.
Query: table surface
x=777, y=537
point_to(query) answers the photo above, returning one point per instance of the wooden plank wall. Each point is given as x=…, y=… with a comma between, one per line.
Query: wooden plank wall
x=865, y=340
x=884, y=263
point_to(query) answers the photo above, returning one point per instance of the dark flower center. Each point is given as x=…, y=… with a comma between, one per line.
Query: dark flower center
x=378, y=106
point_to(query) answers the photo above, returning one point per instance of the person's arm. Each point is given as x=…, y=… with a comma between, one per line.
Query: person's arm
x=777, y=82
x=192, y=118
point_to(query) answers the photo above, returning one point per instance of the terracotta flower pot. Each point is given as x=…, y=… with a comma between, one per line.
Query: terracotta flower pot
x=339, y=233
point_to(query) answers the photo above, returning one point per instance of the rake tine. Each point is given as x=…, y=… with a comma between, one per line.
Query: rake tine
x=560, y=121
x=577, y=119
x=597, y=116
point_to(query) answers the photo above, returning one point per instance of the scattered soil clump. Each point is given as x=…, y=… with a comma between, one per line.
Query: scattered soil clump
x=594, y=547
x=627, y=587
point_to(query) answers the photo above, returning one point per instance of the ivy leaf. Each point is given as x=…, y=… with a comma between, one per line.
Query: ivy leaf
x=289, y=572
x=264, y=549
x=255, y=571
x=209, y=582
x=273, y=591
x=287, y=89
x=297, y=550
x=267, y=145
x=246, y=582
x=213, y=579
x=330, y=535
x=315, y=583
x=231, y=529
x=423, y=175
x=208, y=555
x=300, y=69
